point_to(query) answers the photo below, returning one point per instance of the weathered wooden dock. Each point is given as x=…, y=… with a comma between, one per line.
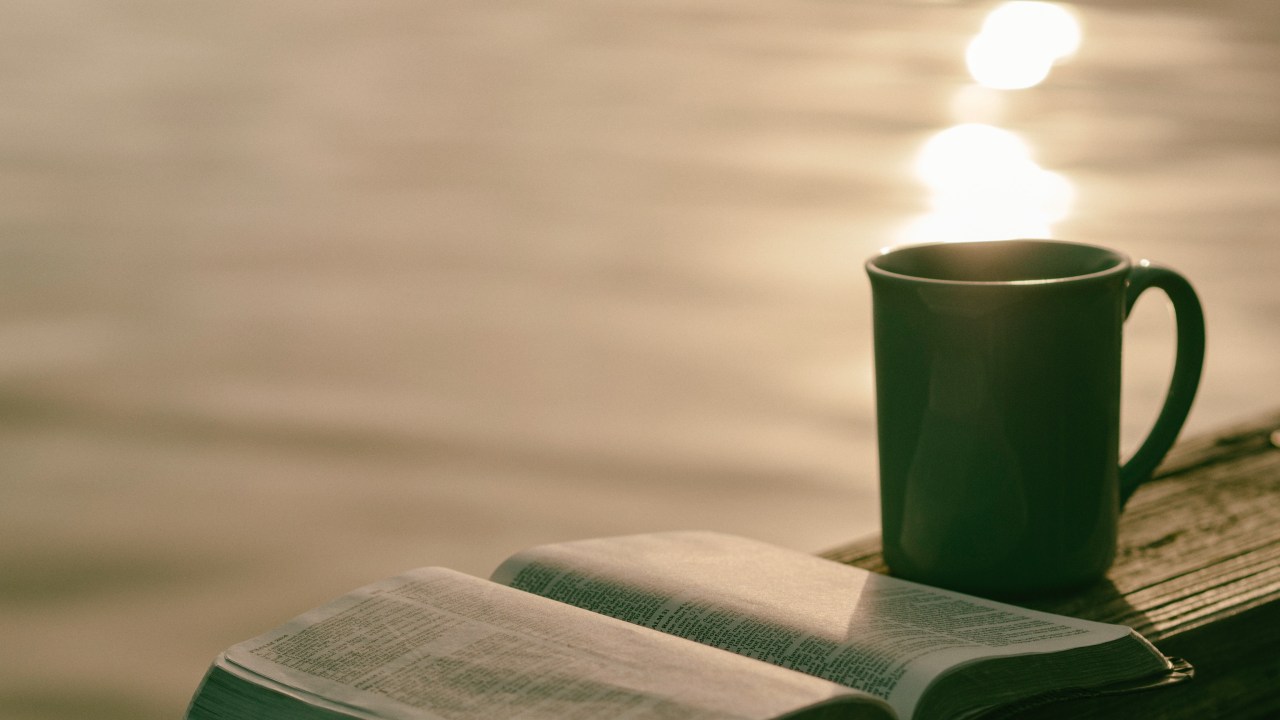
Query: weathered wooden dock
x=1197, y=573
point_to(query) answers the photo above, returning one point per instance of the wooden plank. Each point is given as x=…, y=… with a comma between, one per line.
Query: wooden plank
x=1197, y=572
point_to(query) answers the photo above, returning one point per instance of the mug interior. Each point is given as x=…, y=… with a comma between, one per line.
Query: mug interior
x=998, y=261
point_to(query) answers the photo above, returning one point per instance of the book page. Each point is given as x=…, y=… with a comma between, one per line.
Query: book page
x=434, y=643
x=882, y=635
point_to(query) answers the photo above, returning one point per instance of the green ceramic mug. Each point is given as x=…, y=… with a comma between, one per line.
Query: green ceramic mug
x=998, y=408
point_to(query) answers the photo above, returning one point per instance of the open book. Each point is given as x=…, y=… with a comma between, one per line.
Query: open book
x=668, y=625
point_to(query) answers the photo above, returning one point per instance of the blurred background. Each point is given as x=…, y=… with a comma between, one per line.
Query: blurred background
x=297, y=295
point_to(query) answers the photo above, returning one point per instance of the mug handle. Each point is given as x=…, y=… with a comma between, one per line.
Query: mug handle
x=1186, y=369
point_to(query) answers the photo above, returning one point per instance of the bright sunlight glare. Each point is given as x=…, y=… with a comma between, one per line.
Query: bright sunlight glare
x=1020, y=42
x=985, y=184
x=954, y=156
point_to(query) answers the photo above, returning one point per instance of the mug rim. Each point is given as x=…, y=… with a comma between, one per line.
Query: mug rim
x=1121, y=264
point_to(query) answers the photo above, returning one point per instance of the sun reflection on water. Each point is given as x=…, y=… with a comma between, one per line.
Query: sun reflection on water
x=985, y=184
x=983, y=180
x=1020, y=42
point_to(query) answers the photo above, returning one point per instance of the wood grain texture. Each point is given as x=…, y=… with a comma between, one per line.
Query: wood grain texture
x=1197, y=572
